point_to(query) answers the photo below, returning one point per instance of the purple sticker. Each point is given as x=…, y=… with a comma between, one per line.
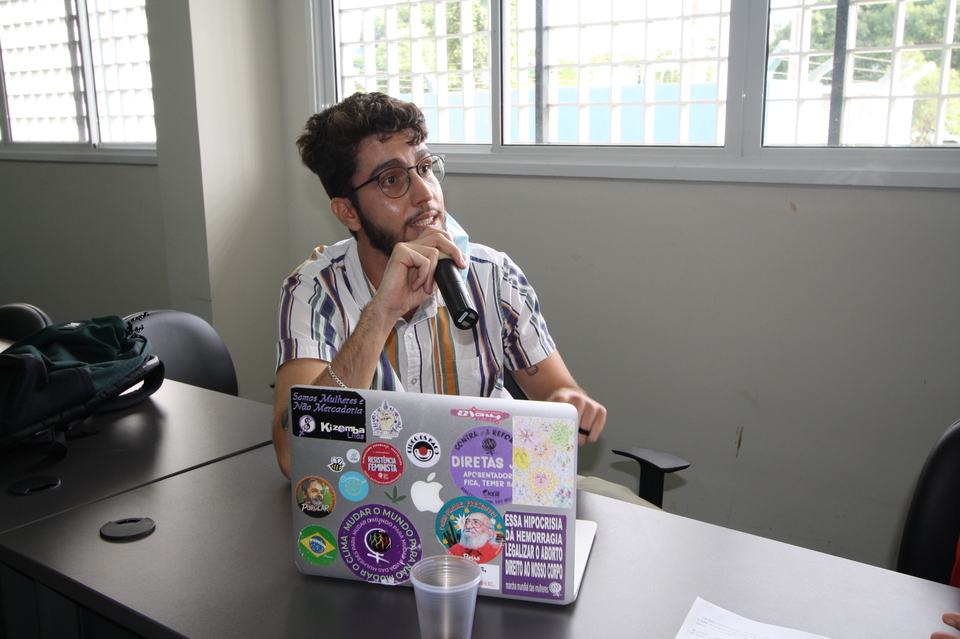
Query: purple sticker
x=379, y=544
x=533, y=555
x=480, y=464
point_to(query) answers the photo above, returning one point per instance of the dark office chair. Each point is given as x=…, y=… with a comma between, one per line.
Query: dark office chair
x=191, y=350
x=19, y=320
x=654, y=464
x=929, y=543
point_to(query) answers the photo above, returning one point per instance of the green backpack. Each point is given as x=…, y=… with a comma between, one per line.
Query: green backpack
x=54, y=379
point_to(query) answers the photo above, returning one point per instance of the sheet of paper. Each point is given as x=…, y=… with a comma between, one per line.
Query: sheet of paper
x=707, y=621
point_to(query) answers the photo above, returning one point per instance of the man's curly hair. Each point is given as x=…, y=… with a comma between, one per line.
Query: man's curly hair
x=331, y=139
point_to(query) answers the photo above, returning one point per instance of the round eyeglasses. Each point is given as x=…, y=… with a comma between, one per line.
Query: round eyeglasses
x=395, y=182
x=470, y=522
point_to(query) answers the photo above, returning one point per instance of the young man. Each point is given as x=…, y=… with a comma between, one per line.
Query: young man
x=365, y=312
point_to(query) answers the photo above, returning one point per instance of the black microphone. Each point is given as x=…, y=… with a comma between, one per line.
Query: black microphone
x=454, y=294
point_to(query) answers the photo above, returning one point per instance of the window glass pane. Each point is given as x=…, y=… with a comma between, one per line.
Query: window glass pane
x=664, y=39
x=875, y=24
x=595, y=11
x=561, y=12
x=900, y=75
x=823, y=28
x=121, y=62
x=629, y=42
x=41, y=71
x=871, y=72
x=617, y=72
x=925, y=22
x=434, y=53
x=586, y=86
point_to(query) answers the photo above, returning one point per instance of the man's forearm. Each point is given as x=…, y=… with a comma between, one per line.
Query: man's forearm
x=354, y=365
x=356, y=362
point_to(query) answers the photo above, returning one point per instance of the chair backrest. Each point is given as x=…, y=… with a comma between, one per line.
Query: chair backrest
x=512, y=387
x=191, y=350
x=19, y=320
x=930, y=535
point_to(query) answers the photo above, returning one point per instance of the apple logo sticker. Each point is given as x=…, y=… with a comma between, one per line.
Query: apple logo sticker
x=426, y=494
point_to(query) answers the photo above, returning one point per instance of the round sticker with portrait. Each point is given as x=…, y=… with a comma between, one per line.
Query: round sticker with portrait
x=470, y=527
x=315, y=497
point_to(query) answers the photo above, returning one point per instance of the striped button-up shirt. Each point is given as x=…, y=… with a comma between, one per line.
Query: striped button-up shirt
x=321, y=301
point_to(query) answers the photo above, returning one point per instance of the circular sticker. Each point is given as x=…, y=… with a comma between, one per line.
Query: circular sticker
x=307, y=424
x=353, y=455
x=480, y=464
x=470, y=527
x=315, y=497
x=336, y=464
x=317, y=545
x=354, y=486
x=379, y=544
x=423, y=450
x=381, y=463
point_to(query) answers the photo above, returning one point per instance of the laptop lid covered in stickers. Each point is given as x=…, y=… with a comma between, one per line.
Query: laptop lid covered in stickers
x=382, y=479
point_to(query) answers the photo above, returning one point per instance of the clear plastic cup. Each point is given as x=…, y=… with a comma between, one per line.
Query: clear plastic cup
x=446, y=591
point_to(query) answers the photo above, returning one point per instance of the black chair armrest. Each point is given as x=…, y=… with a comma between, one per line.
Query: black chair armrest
x=654, y=464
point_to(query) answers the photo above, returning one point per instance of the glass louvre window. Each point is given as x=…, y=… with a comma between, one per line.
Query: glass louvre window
x=76, y=71
x=121, y=63
x=863, y=73
x=40, y=53
x=597, y=72
x=616, y=72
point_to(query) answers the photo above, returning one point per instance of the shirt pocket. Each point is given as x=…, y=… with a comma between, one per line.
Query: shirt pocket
x=475, y=376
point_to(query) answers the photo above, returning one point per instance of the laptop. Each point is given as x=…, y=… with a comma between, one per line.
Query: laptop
x=382, y=479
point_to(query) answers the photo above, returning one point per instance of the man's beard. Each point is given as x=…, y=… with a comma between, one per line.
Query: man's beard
x=472, y=541
x=380, y=238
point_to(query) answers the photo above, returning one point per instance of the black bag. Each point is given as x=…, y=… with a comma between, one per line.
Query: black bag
x=52, y=380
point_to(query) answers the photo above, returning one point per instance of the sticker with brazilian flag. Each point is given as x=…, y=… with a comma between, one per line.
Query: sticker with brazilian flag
x=317, y=545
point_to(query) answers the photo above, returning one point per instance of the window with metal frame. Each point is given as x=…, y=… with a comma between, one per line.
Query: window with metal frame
x=75, y=72
x=659, y=89
x=863, y=73
x=574, y=72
